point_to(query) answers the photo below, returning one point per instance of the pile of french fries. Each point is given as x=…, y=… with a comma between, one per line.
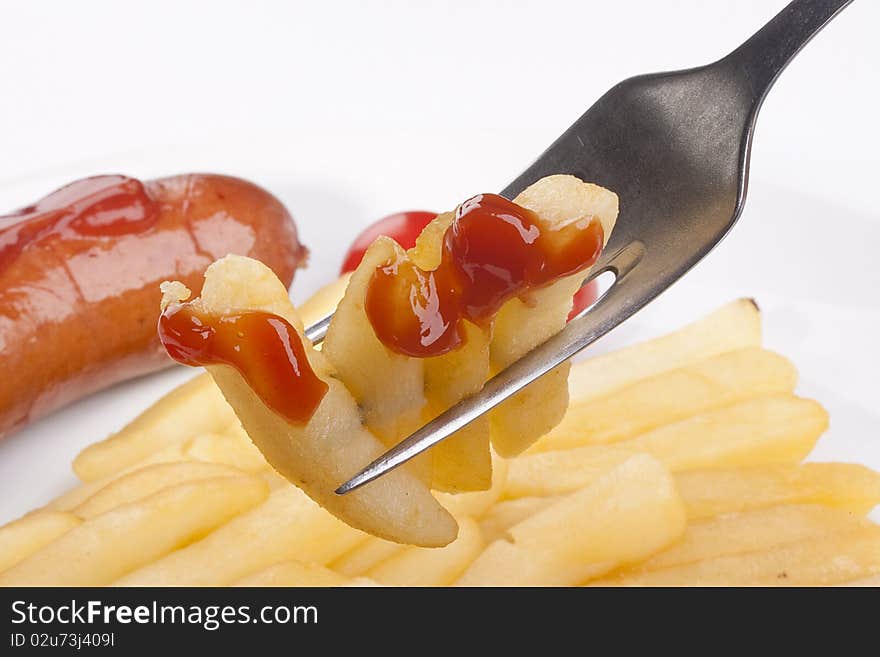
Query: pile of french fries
x=679, y=462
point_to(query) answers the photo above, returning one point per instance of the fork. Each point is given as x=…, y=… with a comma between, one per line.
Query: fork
x=675, y=148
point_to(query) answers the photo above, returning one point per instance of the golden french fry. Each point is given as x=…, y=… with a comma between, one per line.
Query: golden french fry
x=415, y=566
x=462, y=462
x=288, y=525
x=230, y=448
x=193, y=408
x=333, y=444
x=388, y=387
x=22, y=537
x=296, y=573
x=521, y=325
x=507, y=513
x=364, y=556
x=819, y=562
x=733, y=326
x=671, y=396
x=751, y=531
x=79, y=494
x=848, y=486
x=146, y=481
x=475, y=503
x=106, y=547
x=623, y=517
x=761, y=431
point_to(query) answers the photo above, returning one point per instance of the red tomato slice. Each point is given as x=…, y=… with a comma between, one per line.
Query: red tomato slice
x=583, y=298
x=403, y=227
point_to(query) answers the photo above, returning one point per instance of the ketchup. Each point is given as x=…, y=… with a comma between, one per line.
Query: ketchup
x=264, y=348
x=102, y=206
x=494, y=251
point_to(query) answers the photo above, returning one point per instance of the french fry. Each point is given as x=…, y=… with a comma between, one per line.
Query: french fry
x=230, y=448
x=333, y=444
x=671, y=396
x=79, y=494
x=193, y=408
x=507, y=513
x=475, y=503
x=762, y=431
x=106, y=547
x=623, y=517
x=196, y=407
x=146, y=481
x=733, y=326
x=752, y=531
x=523, y=324
x=22, y=537
x=416, y=566
x=296, y=573
x=364, y=556
x=848, y=486
x=820, y=562
x=288, y=525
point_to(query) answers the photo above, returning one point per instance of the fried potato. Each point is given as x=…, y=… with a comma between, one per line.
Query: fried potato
x=193, y=408
x=751, y=531
x=415, y=566
x=504, y=515
x=475, y=503
x=733, y=326
x=462, y=462
x=671, y=396
x=623, y=517
x=333, y=445
x=762, y=431
x=22, y=537
x=848, y=486
x=75, y=496
x=146, y=481
x=388, y=387
x=233, y=448
x=364, y=556
x=521, y=325
x=106, y=547
x=296, y=573
x=288, y=525
x=818, y=562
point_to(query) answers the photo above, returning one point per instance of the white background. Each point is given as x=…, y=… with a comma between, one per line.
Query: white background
x=349, y=111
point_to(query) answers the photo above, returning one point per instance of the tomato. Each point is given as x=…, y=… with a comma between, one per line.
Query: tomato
x=403, y=227
x=583, y=298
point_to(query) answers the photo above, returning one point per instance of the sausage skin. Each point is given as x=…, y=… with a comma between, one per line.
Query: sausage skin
x=80, y=273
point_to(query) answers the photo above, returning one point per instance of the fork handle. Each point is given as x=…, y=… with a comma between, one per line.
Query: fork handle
x=764, y=56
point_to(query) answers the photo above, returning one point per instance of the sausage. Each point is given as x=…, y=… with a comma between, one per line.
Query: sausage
x=80, y=273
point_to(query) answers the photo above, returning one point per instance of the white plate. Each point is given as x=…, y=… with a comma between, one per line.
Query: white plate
x=810, y=262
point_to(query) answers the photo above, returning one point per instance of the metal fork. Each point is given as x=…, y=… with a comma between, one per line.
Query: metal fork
x=675, y=148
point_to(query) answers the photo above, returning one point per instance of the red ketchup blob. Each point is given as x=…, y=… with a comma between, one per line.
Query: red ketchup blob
x=264, y=348
x=494, y=251
x=102, y=206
